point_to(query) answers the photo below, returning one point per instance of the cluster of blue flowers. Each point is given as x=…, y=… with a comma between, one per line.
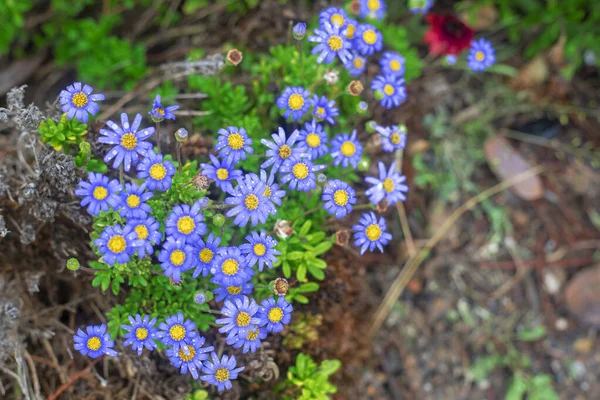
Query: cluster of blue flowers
x=339, y=36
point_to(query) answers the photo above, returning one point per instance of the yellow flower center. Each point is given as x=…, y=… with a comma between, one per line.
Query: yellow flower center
x=141, y=333
x=275, y=314
x=177, y=257
x=348, y=149
x=177, y=332
x=251, y=202
x=340, y=197
x=79, y=99
x=395, y=138
x=320, y=111
x=300, y=171
x=358, y=63
x=252, y=335
x=267, y=192
x=142, y=232
x=186, y=225
x=117, y=244
x=335, y=43
x=389, y=90
x=388, y=185
x=337, y=19
x=479, y=56
x=234, y=289
x=260, y=249
x=373, y=5
x=222, y=174
x=369, y=36
x=285, y=151
x=230, y=267
x=235, y=141
x=160, y=111
x=222, y=374
x=242, y=319
x=100, y=193
x=206, y=255
x=158, y=172
x=94, y=343
x=133, y=201
x=395, y=65
x=351, y=29
x=296, y=102
x=313, y=140
x=128, y=141
x=373, y=232
x=191, y=353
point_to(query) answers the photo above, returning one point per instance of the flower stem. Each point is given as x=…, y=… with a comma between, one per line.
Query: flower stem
x=158, y=137
x=178, y=147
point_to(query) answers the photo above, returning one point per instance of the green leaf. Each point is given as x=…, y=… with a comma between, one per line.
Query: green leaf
x=322, y=248
x=305, y=228
x=517, y=388
x=318, y=263
x=308, y=287
x=329, y=367
x=287, y=272
x=301, y=272
x=529, y=335
x=541, y=388
x=316, y=272
x=301, y=299
x=503, y=69
x=295, y=255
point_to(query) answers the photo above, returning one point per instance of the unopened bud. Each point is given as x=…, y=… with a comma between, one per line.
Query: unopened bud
x=283, y=229
x=181, y=135
x=199, y=298
x=364, y=163
x=219, y=220
x=321, y=178
x=85, y=148
x=281, y=286
x=370, y=126
x=362, y=107
x=383, y=206
x=342, y=237
x=299, y=31
x=201, y=182
x=355, y=7
x=73, y=264
x=234, y=57
x=379, y=95
x=331, y=76
x=355, y=88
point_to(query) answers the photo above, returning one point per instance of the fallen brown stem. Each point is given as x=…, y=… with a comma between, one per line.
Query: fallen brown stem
x=73, y=379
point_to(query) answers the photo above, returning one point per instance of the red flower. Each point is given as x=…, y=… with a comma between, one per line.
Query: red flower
x=447, y=35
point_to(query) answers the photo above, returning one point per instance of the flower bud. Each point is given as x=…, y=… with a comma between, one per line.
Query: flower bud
x=73, y=264
x=199, y=298
x=201, y=182
x=355, y=88
x=218, y=220
x=234, y=57
x=364, y=164
x=175, y=284
x=321, y=178
x=299, y=30
x=379, y=95
x=342, y=237
x=362, y=107
x=281, y=286
x=355, y=7
x=283, y=229
x=331, y=76
x=383, y=206
x=85, y=148
x=181, y=135
x=371, y=126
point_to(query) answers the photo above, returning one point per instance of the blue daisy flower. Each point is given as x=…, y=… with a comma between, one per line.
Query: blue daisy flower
x=222, y=172
x=159, y=113
x=117, y=244
x=206, y=253
x=232, y=292
x=220, y=372
x=299, y=174
x=176, y=332
x=481, y=55
x=280, y=149
x=346, y=149
x=239, y=317
x=295, y=101
x=420, y=6
x=231, y=268
x=370, y=233
x=331, y=42
x=250, y=203
x=324, y=109
x=140, y=333
x=272, y=194
x=77, y=101
x=158, y=173
x=313, y=140
x=389, y=90
x=338, y=197
x=273, y=314
x=148, y=233
x=99, y=193
x=350, y=29
x=392, y=137
x=356, y=64
x=392, y=64
x=176, y=257
x=390, y=185
x=372, y=9
x=368, y=40
x=233, y=143
x=94, y=342
x=334, y=16
x=185, y=223
x=189, y=357
x=299, y=30
x=252, y=340
x=133, y=201
x=260, y=249
x=130, y=142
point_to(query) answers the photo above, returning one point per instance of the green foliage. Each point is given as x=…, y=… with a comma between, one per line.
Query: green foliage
x=303, y=330
x=578, y=21
x=12, y=17
x=309, y=381
x=67, y=133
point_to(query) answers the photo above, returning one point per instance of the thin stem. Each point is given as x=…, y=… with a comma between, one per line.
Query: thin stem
x=178, y=147
x=121, y=174
x=158, y=137
x=301, y=50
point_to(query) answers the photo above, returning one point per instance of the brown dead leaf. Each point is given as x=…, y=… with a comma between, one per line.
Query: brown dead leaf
x=583, y=297
x=557, y=53
x=485, y=17
x=418, y=146
x=532, y=74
